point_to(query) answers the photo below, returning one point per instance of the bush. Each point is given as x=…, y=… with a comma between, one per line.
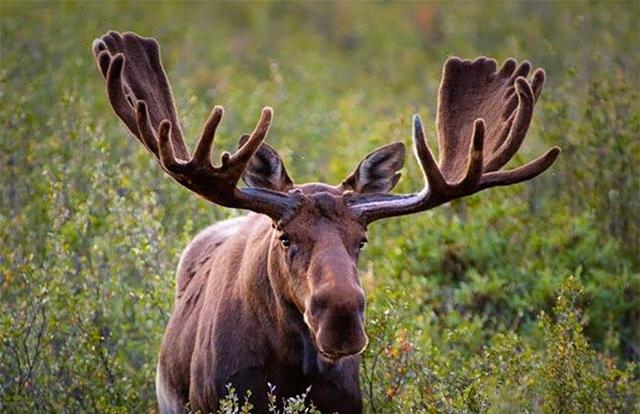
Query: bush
x=510, y=373
x=470, y=307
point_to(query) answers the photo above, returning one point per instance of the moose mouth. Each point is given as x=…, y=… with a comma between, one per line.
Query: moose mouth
x=335, y=356
x=331, y=357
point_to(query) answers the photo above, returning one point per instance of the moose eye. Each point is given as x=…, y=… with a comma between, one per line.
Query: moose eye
x=285, y=241
x=361, y=244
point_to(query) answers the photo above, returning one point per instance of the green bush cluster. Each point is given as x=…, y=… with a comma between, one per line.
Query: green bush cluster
x=520, y=299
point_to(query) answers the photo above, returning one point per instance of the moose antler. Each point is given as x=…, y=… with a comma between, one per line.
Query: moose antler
x=483, y=117
x=141, y=96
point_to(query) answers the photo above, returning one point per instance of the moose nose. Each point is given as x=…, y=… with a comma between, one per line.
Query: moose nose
x=337, y=320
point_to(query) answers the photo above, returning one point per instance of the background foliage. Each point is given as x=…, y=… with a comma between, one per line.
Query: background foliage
x=520, y=299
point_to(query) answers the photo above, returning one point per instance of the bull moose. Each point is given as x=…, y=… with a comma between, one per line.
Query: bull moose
x=274, y=296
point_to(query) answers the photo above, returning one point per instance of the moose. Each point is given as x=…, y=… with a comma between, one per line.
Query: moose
x=274, y=296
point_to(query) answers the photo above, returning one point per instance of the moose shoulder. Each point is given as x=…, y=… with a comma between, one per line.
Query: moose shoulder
x=274, y=297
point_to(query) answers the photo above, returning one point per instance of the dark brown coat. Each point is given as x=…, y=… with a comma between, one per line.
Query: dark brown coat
x=252, y=331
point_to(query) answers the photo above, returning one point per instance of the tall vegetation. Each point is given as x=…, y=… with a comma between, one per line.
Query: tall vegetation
x=525, y=299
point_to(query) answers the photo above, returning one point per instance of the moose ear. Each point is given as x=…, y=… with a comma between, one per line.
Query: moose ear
x=265, y=169
x=378, y=171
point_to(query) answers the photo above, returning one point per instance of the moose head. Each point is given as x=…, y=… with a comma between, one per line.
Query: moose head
x=301, y=251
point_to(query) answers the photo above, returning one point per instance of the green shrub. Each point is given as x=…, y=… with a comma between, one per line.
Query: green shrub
x=91, y=231
x=560, y=372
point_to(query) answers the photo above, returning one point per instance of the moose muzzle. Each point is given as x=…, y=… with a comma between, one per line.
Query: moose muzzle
x=335, y=314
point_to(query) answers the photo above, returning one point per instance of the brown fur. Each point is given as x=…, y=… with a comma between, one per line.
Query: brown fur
x=274, y=297
x=252, y=330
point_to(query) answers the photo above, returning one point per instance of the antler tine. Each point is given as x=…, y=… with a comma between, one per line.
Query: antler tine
x=538, y=82
x=147, y=134
x=437, y=186
x=246, y=151
x=202, y=152
x=520, y=174
x=518, y=131
x=103, y=58
x=430, y=169
x=117, y=97
x=167, y=154
x=474, y=167
x=237, y=161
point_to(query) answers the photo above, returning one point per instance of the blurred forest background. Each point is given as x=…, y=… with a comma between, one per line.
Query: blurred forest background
x=519, y=299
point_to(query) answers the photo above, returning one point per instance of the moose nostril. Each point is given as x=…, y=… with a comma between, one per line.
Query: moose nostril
x=319, y=304
x=340, y=331
x=361, y=303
